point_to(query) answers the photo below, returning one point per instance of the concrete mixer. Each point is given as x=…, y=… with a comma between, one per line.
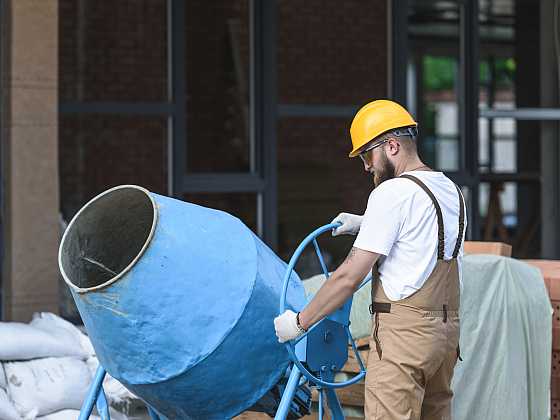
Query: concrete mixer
x=179, y=300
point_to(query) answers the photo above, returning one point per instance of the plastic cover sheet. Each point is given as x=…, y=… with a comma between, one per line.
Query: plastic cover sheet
x=506, y=339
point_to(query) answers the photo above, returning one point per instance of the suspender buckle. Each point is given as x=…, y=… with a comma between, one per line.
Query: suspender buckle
x=380, y=307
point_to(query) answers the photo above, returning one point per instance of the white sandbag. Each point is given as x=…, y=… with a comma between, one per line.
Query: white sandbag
x=7, y=409
x=59, y=327
x=47, y=385
x=74, y=414
x=116, y=393
x=3, y=381
x=86, y=345
x=117, y=415
x=67, y=415
x=43, y=337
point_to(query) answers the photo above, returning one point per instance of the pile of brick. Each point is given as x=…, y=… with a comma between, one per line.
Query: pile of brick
x=551, y=273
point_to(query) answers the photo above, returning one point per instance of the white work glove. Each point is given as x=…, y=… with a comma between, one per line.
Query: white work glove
x=350, y=224
x=286, y=326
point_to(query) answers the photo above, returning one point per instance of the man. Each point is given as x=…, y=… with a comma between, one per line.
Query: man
x=411, y=235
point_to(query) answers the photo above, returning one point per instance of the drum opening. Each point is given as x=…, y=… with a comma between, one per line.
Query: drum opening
x=106, y=237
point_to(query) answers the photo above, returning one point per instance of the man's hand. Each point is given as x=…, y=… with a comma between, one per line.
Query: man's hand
x=350, y=224
x=286, y=326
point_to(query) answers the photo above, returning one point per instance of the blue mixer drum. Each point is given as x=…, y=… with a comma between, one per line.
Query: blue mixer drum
x=178, y=301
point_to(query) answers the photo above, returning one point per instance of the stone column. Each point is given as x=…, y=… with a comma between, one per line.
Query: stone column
x=30, y=201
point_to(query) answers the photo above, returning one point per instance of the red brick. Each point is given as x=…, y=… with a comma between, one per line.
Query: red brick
x=550, y=270
x=555, y=367
x=555, y=409
x=556, y=337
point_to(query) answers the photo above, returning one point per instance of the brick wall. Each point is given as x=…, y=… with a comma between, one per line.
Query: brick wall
x=99, y=152
x=328, y=53
x=332, y=52
x=111, y=51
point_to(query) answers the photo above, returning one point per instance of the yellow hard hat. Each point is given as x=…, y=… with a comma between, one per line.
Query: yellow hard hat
x=374, y=119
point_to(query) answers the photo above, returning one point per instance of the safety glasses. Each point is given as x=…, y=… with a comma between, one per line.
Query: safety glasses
x=404, y=132
x=366, y=156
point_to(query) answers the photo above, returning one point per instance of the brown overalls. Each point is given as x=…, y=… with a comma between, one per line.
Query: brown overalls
x=415, y=341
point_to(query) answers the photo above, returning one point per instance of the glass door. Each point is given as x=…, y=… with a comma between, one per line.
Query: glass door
x=481, y=80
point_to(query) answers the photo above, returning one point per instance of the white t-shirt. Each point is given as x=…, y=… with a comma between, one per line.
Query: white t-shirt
x=400, y=223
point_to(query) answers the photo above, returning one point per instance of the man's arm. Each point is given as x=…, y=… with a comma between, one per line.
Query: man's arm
x=339, y=287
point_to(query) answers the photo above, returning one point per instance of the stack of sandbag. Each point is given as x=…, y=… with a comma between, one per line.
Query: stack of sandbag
x=7, y=410
x=46, y=368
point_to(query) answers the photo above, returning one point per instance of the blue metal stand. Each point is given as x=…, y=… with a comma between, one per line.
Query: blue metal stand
x=332, y=400
x=96, y=395
x=288, y=395
x=93, y=395
x=102, y=406
x=153, y=414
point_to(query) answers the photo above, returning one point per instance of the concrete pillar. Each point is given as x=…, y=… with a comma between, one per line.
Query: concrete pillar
x=29, y=157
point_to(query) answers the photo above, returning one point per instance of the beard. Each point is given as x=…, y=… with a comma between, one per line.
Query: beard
x=385, y=172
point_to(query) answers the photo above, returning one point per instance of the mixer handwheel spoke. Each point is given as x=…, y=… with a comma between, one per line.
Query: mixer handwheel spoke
x=320, y=257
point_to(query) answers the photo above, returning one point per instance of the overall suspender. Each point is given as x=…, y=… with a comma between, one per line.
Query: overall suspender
x=386, y=307
x=441, y=232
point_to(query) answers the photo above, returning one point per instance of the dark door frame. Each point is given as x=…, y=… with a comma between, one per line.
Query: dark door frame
x=549, y=115
x=467, y=175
